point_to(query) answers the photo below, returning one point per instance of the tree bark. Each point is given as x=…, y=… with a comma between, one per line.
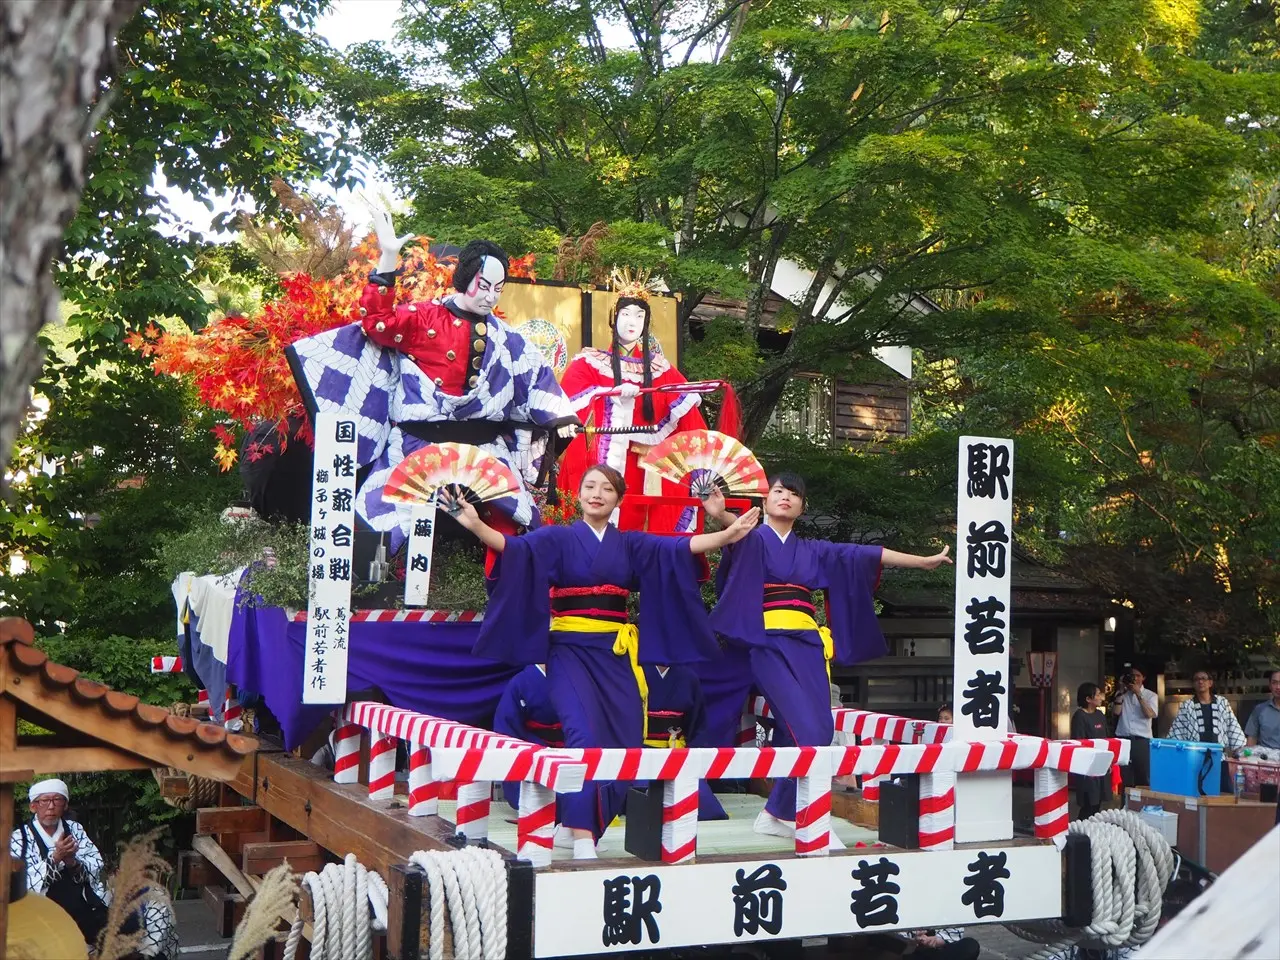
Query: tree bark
x=55, y=56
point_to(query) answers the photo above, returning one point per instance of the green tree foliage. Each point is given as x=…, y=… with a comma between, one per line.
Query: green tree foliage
x=1051, y=158
x=218, y=95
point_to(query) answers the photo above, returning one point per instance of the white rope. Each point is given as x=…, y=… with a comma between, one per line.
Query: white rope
x=472, y=882
x=342, y=897
x=1130, y=864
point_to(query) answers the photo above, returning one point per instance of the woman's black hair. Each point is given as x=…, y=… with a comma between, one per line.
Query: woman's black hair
x=646, y=401
x=1084, y=693
x=471, y=258
x=789, y=481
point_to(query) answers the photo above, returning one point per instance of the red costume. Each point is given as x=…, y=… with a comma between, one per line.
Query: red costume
x=589, y=376
x=447, y=346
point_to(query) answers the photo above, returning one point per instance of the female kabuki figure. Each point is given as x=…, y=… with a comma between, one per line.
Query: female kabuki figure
x=630, y=364
x=766, y=614
x=578, y=578
x=419, y=373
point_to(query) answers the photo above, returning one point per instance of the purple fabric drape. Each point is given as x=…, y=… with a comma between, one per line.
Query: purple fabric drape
x=427, y=667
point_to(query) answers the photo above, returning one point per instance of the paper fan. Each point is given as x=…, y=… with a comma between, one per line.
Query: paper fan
x=724, y=458
x=418, y=476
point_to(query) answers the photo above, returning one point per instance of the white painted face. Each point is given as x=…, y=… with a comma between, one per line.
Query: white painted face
x=481, y=296
x=630, y=324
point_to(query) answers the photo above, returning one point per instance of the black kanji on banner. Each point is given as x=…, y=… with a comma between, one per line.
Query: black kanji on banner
x=875, y=903
x=986, y=892
x=988, y=471
x=987, y=549
x=984, y=631
x=631, y=905
x=757, y=900
x=982, y=699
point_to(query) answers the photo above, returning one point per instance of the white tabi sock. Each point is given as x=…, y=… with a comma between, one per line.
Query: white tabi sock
x=770, y=825
x=584, y=849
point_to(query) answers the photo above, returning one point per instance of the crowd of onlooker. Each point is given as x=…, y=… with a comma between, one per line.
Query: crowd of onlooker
x=1206, y=717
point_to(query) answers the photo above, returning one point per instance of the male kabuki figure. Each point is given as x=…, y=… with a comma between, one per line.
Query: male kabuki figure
x=444, y=371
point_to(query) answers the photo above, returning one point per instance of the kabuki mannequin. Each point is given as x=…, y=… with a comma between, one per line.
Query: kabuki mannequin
x=444, y=371
x=628, y=365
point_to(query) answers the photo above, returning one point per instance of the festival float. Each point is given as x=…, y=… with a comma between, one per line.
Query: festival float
x=368, y=405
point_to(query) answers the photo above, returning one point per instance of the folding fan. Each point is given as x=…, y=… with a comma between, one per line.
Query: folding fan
x=418, y=476
x=723, y=459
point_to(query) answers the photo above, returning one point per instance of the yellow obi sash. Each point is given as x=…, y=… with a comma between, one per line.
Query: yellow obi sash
x=626, y=642
x=795, y=620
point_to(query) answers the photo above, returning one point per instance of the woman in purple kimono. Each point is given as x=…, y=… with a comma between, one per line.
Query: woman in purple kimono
x=765, y=614
x=525, y=712
x=578, y=578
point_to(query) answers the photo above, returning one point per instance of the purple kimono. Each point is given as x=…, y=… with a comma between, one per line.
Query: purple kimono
x=677, y=707
x=525, y=712
x=764, y=571
x=593, y=690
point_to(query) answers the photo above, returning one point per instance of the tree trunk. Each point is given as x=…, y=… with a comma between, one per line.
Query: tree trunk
x=54, y=58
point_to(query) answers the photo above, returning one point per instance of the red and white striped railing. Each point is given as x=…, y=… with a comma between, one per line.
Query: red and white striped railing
x=1053, y=761
x=541, y=774
x=166, y=664
x=445, y=750
x=407, y=616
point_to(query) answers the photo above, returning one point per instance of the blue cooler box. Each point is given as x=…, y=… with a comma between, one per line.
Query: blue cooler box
x=1180, y=767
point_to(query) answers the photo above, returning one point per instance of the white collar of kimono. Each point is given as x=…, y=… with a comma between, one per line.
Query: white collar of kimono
x=599, y=533
x=50, y=839
x=662, y=671
x=780, y=535
x=542, y=668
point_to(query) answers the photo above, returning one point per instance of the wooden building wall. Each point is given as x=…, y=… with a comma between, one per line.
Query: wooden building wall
x=857, y=413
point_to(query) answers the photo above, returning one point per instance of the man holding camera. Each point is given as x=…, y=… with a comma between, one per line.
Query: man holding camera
x=1136, y=706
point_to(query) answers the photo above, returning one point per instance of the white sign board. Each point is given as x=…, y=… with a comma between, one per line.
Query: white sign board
x=417, y=564
x=333, y=525
x=641, y=906
x=981, y=682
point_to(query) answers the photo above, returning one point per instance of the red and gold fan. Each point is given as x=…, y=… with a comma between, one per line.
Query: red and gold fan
x=418, y=476
x=722, y=459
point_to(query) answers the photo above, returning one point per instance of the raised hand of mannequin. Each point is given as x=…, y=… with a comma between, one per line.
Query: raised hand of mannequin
x=388, y=243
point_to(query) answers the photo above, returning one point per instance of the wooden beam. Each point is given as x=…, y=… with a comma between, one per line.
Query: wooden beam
x=227, y=908
x=174, y=787
x=339, y=817
x=78, y=759
x=8, y=741
x=231, y=820
x=216, y=762
x=404, y=911
x=302, y=855
x=208, y=848
x=195, y=871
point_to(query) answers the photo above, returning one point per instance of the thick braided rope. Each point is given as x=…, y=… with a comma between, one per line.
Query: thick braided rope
x=435, y=888
x=364, y=941
x=342, y=897
x=378, y=897
x=1131, y=865
x=471, y=895
x=489, y=876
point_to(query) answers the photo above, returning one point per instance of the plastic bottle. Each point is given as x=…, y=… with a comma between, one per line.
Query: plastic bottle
x=1239, y=780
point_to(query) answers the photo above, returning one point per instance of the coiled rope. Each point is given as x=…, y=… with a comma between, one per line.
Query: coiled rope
x=342, y=897
x=1131, y=864
x=471, y=884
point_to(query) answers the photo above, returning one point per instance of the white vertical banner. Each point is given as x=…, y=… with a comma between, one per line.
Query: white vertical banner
x=417, y=564
x=333, y=524
x=981, y=683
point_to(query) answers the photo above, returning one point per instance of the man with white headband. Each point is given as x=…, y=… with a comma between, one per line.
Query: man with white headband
x=62, y=863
